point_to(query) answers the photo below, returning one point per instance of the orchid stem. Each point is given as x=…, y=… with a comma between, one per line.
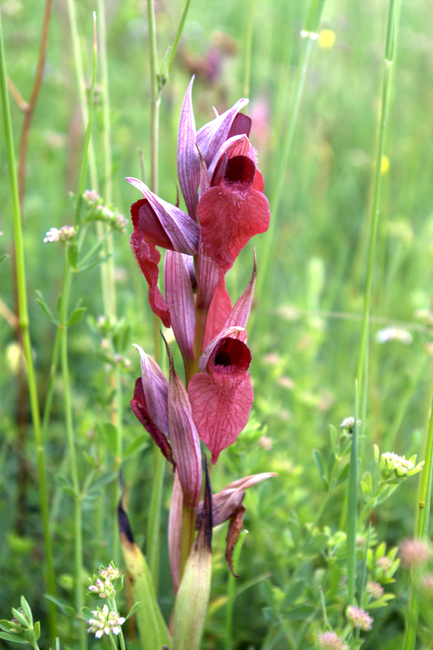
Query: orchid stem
x=188, y=530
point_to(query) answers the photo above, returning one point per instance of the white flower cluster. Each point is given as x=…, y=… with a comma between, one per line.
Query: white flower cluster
x=349, y=424
x=392, y=462
x=105, y=621
x=64, y=234
x=359, y=618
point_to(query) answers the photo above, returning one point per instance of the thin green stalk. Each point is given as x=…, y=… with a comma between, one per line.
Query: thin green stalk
x=352, y=508
x=176, y=39
x=154, y=98
x=421, y=532
x=188, y=530
x=309, y=34
x=231, y=592
x=249, y=49
x=24, y=326
x=374, y=217
x=154, y=521
x=70, y=434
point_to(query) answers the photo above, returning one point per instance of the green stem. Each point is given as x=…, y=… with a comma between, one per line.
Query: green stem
x=24, y=326
x=374, y=217
x=177, y=37
x=154, y=523
x=352, y=509
x=231, y=592
x=249, y=49
x=78, y=533
x=154, y=98
x=310, y=28
x=421, y=532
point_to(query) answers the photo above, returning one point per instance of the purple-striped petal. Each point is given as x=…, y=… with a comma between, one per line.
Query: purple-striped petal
x=212, y=135
x=180, y=229
x=180, y=299
x=184, y=438
x=175, y=531
x=238, y=317
x=155, y=388
x=188, y=162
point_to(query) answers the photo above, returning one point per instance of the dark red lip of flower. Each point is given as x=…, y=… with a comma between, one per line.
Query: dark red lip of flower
x=231, y=357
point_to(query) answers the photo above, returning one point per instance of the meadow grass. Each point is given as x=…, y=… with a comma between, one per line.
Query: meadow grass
x=310, y=329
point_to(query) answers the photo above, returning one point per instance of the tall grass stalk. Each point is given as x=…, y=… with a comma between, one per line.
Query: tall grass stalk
x=249, y=48
x=308, y=34
x=362, y=372
x=421, y=532
x=25, y=334
x=352, y=508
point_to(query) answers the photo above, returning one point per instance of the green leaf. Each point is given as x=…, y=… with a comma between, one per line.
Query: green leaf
x=20, y=617
x=94, y=263
x=43, y=305
x=27, y=610
x=320, y=464
x=141, y=442
x=294, y=592
x=37, y=630
x=133, y=610
x=73, y=255
x=87, y=613
x=301, y=612
x=7, y=626
x=109, y=433
x=13, y=639
x=3, y=257
x=344, y=474
x=76, y=316
x=63, y=606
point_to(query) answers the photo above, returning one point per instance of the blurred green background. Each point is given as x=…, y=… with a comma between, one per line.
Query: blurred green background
x=307, y=324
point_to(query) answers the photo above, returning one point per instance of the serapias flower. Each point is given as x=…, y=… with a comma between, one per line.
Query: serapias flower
x=105, y=621
x=63, y=234
x=223, y=192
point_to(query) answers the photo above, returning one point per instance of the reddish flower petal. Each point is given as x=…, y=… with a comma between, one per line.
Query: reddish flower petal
x=147, y=224
x=220, y=409
x=229, y=216
x=141, y=411
x=240, y=125
x=236, y=146
x=238, y=316
x=148, y=257
x=207, y=278
x=218, y=311
x=155, y=388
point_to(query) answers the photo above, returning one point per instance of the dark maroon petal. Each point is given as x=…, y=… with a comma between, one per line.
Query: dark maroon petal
x=231, y=358
x=229, y=217
x=218, y=311
x=212, y=135
x=180, y=299
x=240, y=170
x=147, y=225
x=148, y=258
x=141, y=411
x=188, y=163
x=220, y=409
x=240, y=125
x=237, y=146
x=205, y=361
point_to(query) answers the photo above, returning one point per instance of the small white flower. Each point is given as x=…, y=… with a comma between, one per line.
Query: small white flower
x=349, y=424
x=104, y=622
x=392, y=462
x=91, y=196
x=52, y=235
x=394, y=334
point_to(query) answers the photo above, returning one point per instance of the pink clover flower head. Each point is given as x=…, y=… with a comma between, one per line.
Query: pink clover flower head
x=331, y=641
x=359, y=618
x=414, y=552
x=374, y=589
x=105, y=621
